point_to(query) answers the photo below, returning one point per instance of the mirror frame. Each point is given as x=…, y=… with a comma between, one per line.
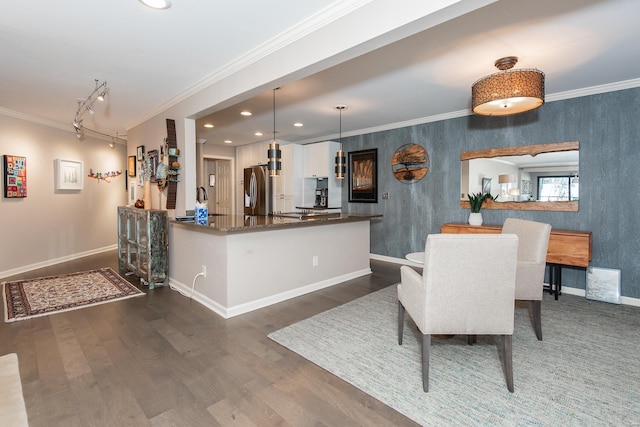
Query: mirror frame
x=533, y=150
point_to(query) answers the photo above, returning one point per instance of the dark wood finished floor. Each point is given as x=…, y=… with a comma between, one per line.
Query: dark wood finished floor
x=163, y=360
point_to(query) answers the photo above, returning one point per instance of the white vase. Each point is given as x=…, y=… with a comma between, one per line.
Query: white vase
x=475, y=218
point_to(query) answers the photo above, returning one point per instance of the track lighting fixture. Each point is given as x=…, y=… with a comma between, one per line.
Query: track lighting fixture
x=86, y=105
x=98, y=93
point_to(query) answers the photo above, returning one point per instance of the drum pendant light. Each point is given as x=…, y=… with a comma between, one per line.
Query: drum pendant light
x=341, y=161
x=273, y=153
x=508, y=91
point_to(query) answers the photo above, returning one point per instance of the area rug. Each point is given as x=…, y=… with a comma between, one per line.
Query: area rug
x=584, y=373
x=26, y=299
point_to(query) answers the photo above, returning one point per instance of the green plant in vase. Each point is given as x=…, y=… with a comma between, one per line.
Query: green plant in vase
x=475, y=202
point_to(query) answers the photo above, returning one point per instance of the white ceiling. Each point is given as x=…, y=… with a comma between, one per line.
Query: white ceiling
x=53, y=51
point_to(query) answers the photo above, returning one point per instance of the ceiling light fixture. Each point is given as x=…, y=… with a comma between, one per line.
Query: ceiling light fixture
x=228, y=141
x=85, y=105
x=273, y=153
x=156, y=4
x=508, y=91
x=208, y=125
x=258, y=134
x=245, y=113
x=341, y=161
x=98, y=93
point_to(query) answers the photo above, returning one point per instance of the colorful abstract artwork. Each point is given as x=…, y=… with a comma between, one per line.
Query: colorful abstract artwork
x=15, y=176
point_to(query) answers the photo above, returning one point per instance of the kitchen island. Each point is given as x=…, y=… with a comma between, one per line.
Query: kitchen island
x=240, y=263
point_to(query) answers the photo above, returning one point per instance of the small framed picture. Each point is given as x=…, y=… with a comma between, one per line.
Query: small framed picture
x=486, y=185
x=140, y=153
x=153, y=164
x=131, y=165
x=69, y=175
x=132, y=193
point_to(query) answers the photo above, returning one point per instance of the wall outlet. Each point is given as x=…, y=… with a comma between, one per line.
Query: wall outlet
x=385, y=195
x=204, y=271
x=314, y=261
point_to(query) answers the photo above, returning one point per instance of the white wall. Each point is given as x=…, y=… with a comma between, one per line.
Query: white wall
x=48, y=226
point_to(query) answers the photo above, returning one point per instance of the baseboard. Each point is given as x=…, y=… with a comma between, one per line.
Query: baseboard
x=227, y=312
x=55, y=261
x=635, y=302
x=385, y=258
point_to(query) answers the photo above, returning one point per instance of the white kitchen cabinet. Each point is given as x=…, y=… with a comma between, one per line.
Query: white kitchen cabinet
x=319, y=159
x=287, y=191
x=319, y=163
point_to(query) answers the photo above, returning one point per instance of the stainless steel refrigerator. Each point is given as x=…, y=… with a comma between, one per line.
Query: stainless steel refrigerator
x=258, y=194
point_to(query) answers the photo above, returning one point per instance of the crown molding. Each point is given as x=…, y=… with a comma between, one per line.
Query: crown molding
x=321, y=19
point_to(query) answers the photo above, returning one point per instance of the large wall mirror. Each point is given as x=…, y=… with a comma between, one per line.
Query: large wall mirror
x=532, y=177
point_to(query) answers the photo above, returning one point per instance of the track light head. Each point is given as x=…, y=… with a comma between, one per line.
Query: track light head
x=90, y=109
x=77, y=124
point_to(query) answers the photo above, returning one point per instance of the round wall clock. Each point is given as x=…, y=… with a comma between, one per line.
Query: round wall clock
x=410, y=163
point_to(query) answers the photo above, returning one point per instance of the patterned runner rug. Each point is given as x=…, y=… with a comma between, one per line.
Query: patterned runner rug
x=25, y=299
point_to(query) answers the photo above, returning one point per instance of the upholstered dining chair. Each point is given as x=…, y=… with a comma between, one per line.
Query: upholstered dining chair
x=467, y=287
x=533, y=241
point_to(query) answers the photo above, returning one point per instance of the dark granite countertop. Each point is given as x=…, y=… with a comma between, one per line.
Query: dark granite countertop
x=228, y=224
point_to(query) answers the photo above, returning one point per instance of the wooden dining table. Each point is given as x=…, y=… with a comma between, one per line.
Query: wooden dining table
x=571, y=248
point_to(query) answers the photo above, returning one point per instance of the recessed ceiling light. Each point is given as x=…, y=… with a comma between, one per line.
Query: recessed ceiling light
x=246, y=113
x=208, y=125
x=228, y=141
x=258, y=134
x=157, y=4
x=298, y=125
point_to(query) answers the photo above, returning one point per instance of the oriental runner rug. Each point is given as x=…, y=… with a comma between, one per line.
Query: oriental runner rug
x=26, y=299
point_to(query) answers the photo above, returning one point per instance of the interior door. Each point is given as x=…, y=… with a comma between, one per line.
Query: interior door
x=223, y=183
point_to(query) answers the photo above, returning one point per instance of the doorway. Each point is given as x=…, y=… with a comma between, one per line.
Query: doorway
x=217, y=179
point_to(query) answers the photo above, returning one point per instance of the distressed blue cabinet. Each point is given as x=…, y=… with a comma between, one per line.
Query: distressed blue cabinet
x=143, y=244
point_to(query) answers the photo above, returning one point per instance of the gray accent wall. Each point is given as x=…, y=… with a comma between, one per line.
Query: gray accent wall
x=608, y=129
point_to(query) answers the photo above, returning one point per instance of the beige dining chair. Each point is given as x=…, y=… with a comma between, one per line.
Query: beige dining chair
x=467, y=287
x=533, y=240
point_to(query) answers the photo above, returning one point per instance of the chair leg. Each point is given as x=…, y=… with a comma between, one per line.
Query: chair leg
x=400, y=321
x=508, y=361
x=472, y=339
x=426, y=345
x=536, y=308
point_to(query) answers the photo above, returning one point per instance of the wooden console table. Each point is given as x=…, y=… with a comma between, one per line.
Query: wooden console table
x=566, y=247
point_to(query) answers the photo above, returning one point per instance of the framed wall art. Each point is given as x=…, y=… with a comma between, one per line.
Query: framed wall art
x=69, y=174
x=363, y=176
x=15, y=176
x=131, y=165
x=140, y=153
x=486, y=185
x=132, y=193
x=152, y=157
x=410, y=163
